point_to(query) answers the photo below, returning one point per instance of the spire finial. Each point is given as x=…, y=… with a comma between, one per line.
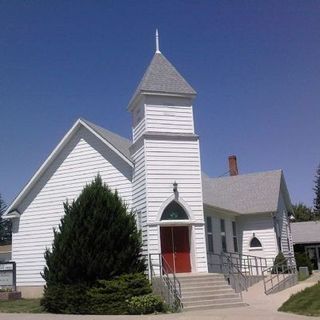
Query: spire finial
x=157, y=41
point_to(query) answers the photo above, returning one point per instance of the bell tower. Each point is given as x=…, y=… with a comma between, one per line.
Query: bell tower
x=167, y=189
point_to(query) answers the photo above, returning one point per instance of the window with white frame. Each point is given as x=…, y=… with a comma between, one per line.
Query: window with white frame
x=223, y=235
x=210, y=235
x=255, y=242
x=235, y=239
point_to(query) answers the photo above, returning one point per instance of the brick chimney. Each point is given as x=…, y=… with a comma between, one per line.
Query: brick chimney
x=233, y=167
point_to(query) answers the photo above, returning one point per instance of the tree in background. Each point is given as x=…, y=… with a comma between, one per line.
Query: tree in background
x=302, y=212
x=316, y=201
x=5, y=225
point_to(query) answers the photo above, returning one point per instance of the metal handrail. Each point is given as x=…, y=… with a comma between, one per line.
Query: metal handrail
x=253, y=265
x=280, y=274
x=235, y=277
x=170, y=285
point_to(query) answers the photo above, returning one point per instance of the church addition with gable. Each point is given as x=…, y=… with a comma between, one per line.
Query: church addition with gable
x=183, y=214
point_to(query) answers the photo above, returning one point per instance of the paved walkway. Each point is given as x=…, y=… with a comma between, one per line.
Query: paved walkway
x=261, y=307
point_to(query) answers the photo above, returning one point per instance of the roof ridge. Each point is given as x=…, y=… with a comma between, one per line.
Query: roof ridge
x=244, y=174
x=102, y=128
x=119, y=142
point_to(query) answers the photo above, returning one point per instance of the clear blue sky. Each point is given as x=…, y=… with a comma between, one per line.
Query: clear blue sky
x=254, y=64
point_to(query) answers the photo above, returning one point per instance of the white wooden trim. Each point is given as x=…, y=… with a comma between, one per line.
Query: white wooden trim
x=51, y=157
x=181, y=202
x=111, y=146
x=175, y=223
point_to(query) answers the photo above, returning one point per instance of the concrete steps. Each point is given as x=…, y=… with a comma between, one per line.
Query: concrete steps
x=209, y=291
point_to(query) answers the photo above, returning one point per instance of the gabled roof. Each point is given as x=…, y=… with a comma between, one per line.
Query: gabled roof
x=162, y=77
x=306, y=232
x=248, y=193
x=120, y=143
x=115, y=142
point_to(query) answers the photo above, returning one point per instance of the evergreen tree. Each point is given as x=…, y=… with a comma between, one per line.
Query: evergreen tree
x=316, y=201
x=5, y=225
x=302, y=212
x=97, y=239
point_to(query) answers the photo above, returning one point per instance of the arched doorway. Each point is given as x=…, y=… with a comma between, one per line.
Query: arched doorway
x=175, y=240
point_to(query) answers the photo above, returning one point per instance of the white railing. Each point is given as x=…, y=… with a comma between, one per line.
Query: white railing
x=280, y=276
x=164, y=281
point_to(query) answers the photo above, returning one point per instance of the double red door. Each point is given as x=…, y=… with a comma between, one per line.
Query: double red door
x=175, y=248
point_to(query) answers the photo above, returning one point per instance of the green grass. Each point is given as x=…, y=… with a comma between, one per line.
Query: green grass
x=21, y=306
x=306, y=302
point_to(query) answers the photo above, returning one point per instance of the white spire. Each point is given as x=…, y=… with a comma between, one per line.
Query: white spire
x=157, y=42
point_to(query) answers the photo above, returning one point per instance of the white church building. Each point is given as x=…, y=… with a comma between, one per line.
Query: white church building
x=182, y=213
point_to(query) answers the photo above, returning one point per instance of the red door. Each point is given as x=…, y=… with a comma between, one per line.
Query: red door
x=175, y=248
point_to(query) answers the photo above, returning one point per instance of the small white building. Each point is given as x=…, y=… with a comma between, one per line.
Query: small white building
x=182, y=213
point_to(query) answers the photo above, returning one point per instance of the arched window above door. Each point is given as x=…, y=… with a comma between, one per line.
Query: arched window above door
x=255, y=243
x=174, y=211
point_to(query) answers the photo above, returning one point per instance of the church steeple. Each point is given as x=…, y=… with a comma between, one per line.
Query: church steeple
x=165, y=152
x=162, y=78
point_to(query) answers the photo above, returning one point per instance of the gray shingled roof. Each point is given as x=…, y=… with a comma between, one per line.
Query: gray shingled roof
x=161, y=76
x=248, y=193
x=120, y=143
x=305, y=232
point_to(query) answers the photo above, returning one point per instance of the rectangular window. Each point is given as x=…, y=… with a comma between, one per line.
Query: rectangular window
x=234, y=234
x=223, y=235
x=210, y=235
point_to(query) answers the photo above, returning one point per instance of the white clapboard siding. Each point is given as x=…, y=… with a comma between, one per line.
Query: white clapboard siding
x=177, y=119
x=283, y=221
x=139, y=194
x=163, y=171
x=167, y=161
x=138, y=130
x=78, y=163
x=138, y=122
x=262, y=226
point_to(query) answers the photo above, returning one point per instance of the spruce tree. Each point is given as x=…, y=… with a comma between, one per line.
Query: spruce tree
x=302, y=212
x=316, y=201
x=96, y=239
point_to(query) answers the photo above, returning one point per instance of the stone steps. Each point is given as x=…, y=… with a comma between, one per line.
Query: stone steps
x=210, y=291
x=206, y=291
x=216, y=297
x=218, y=305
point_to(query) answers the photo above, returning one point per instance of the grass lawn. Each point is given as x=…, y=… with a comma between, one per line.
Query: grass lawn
x=306, y=302
x=21, y=306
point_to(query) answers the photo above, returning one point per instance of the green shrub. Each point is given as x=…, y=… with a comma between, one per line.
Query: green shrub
x=105, y=297
x=65, y=299
x=302, y=260
x=110, y=297
x=96, y=239
x=280, y=263
x=146, y=304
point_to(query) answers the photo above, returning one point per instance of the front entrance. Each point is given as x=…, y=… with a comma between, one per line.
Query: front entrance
x=175, y=248
x=313, y=253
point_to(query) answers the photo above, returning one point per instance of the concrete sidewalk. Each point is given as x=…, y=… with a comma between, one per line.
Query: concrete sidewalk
x=257, y=300
x=260, y=307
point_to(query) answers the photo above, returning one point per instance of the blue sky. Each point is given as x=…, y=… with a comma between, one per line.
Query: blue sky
x=254, y=64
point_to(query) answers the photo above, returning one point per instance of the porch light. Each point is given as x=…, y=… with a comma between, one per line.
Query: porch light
x=175, y=187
